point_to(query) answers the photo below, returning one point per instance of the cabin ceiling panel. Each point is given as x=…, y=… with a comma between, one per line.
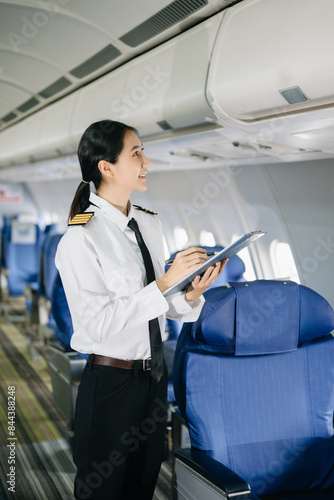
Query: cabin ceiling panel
x=62, y=169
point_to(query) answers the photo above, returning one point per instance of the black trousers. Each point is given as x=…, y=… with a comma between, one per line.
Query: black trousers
x=119, y=433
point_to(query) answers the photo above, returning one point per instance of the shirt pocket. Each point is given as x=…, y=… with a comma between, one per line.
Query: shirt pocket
x=125, y=279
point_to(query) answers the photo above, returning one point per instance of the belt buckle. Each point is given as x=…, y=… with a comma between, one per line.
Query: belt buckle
x=146, y=366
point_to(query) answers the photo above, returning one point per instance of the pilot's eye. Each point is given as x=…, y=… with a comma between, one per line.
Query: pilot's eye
x=138, y=151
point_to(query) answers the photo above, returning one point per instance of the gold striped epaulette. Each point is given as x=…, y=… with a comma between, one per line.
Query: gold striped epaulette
x=81, y=219
x=145, y=210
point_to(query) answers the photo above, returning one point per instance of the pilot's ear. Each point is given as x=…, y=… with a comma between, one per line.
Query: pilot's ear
x=105, y=168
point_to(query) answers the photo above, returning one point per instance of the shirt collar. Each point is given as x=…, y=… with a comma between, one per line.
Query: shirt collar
x=113, y=213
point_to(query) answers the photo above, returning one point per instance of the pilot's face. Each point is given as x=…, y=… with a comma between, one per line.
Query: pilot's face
x=131, y=167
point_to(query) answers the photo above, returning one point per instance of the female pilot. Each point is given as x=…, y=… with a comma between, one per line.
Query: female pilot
x=111, y=263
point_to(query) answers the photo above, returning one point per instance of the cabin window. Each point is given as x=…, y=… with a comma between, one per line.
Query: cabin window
x=180, y=237
x=207, y=239
x=283, y=261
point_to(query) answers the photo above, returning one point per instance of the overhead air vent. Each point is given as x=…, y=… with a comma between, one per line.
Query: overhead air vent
x=55, y=87
x=28, y=105
x=172, y=14
x=164, y=125
x=8, y=117
x=101, y=58
x=293, y=95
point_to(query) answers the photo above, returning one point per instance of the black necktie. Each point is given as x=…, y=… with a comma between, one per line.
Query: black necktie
x=157, y=353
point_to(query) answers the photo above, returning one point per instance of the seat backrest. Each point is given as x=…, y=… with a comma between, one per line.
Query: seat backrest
x=62, y=316
x=254, y=378
x=61, y=313
x=21, y=254
x=48, y=270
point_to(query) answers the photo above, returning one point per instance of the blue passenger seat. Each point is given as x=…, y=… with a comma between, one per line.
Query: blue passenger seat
x=61, y=314
x=21, y=254
x=254, y=381
x=48, y=268
x=233, y=271
x=41, y=319
x=65, y=365
x=20, y=250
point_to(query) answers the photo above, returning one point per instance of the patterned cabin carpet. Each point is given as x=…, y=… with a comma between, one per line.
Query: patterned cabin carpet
x=41, y=454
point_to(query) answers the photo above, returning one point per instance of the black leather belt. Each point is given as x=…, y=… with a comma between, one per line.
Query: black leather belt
x=139, y=364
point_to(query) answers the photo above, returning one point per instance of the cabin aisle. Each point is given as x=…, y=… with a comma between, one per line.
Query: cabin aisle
x=37, y=447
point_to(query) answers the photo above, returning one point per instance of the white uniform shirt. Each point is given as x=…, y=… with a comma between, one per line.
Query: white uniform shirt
x=104, y=278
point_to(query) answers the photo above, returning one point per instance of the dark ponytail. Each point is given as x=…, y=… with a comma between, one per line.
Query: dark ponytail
x=101, y=141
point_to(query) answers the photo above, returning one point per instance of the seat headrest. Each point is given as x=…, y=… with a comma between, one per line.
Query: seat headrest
x=261, y=317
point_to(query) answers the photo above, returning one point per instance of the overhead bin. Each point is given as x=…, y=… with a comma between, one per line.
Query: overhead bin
x=273, y=58
x=256, y=61
x=45, y=134
x=160, y=90
x=157, y=91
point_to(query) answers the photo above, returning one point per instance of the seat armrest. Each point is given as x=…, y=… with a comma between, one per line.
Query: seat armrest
x=223, y=482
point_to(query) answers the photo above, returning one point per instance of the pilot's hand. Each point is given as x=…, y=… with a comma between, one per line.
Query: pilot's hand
x=199, y=285
x=184, y=263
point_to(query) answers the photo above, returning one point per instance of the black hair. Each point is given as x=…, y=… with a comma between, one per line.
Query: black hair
x=102, y=140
